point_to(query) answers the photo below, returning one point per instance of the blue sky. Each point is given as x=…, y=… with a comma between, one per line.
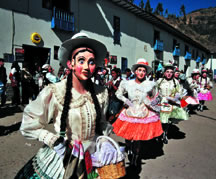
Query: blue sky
x=173, y=6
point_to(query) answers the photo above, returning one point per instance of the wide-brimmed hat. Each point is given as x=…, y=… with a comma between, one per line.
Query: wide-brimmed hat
x=169, y=66
x=204, y=70
x=81, y=40
x=45, y=66
x=195, y=71
x=141, y=62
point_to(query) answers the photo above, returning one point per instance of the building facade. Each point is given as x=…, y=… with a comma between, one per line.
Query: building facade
x=32, y=32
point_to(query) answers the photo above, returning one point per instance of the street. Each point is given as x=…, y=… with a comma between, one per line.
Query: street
x=190, y=153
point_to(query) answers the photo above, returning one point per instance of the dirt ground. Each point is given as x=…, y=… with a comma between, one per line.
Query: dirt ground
x=190, y=153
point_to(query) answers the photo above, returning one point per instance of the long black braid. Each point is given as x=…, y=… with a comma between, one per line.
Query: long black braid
x=66, y=107
x=97, y=106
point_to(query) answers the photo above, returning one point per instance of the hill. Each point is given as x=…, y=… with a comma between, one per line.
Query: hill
x=200, y=25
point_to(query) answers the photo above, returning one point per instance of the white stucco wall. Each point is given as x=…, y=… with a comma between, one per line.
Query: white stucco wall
x=94, y=17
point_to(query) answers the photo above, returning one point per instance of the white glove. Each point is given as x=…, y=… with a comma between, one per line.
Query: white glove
x=129, y=103
x=108, y=153
x=177, y=96
x=60, y=150
x=155, y=101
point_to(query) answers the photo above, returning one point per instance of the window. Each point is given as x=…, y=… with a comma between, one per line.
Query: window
x=8, y=57
x=56, y=48
x=197, y=54
x=193, y=54
x=174, y=43
x=113, y=59
x=156, y=36
x=186, y=49
x=49, y=4
x=124, y=63
x=116, y=27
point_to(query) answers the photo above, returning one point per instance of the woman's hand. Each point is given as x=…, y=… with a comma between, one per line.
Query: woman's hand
x=129, y=103
x=60, y=150
x=59, y=147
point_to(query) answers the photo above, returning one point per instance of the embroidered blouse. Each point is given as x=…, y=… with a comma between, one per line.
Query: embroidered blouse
x=137, y=93
x=49, y=105
x=167, y=87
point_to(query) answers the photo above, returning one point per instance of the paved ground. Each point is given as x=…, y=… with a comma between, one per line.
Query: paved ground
x=190, y=153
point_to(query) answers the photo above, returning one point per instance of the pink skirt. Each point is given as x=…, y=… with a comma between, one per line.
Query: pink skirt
x=205, y=96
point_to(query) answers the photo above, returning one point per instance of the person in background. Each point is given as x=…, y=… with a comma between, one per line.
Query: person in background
x=129, y=74
x=177, y=73
x=3, y=80
x=115, y=104
x=193, y=83
x=15, y=78
x=205, y=85
x=38, y=80
x=78, y=108
x=170, y=92
x=105, y=77
x=97, y=76
x=48, y=74
x=27, y=83
x=65, y=74
x=61, y=70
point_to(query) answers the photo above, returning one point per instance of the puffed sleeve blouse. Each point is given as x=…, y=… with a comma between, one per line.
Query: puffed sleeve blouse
x=136, y=92
x=49, y=105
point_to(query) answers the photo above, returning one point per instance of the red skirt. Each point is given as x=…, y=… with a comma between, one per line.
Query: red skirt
x=137, y=130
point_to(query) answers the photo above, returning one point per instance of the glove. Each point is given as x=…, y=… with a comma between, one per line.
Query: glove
x=177, y=96
x=129, y=103
x=155, y=101
x=107, y=154
x=60, y=149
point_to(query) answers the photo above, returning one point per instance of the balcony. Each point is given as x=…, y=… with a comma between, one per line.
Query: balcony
x=62, y=20
x=158, y=45
x=187, y=56
x=204, y=61
x=198, y=59
x=176, y=52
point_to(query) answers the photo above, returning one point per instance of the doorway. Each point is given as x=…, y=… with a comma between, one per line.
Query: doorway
x=36, y=56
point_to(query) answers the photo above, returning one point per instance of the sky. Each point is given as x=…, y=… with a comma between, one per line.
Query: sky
x=173, y=6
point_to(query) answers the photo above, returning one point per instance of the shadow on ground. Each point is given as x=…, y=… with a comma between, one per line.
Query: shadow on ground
x=5, y=130
x=175, y=133
x=8, y=110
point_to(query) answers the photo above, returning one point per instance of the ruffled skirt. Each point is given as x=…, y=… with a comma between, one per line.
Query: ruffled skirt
x=46, y=164
x=132, y=128
x=205, y=96
x=177, y=114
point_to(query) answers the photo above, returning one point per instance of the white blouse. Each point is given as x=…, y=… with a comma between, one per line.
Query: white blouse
x=81, y=115
x=137, y=93
x=167, y=87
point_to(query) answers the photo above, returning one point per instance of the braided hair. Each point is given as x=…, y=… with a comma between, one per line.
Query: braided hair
x=96, y=105
x=67, y=100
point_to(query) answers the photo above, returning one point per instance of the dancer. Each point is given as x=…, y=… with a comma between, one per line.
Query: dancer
x=78, y=109
x=192, y=99
x=169, y=90
x=205, y=85
x=177, y=73
x=140, y=121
